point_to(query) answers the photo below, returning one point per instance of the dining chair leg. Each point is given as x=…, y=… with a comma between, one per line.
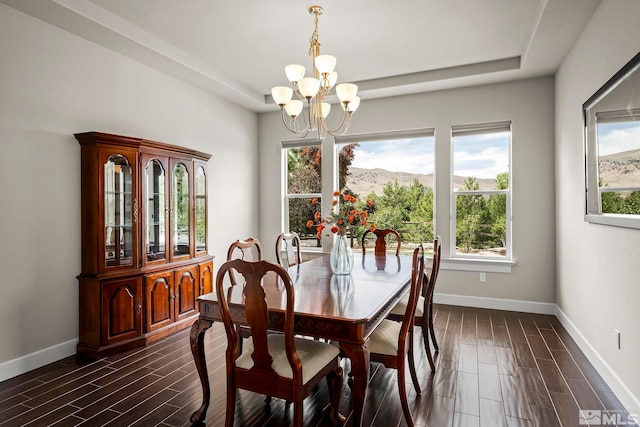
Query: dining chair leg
x=426, y=329
x=297, y=413
x=431, y=328
x=334, y=384
x=231, y=404
x=402, y=390
x=412, y=365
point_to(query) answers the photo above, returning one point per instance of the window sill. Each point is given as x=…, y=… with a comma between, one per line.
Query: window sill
x=626, y=221
x=482, y=265
x=457, y=264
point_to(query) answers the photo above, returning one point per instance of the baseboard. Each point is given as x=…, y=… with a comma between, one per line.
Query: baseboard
x=29, y=362
x=495, y=303
x=619, y=388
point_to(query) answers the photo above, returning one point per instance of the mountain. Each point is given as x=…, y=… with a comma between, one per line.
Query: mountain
x=621, y=169
x=364, y=181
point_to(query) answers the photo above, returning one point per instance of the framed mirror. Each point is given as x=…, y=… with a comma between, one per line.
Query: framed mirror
x=612, y=150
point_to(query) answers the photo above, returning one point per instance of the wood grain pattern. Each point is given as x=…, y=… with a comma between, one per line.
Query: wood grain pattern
x=157, y=385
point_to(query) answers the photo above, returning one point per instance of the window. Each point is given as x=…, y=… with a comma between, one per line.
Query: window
x=481, y=195
x=395, y=172
x=302, y=163
x=612, y=149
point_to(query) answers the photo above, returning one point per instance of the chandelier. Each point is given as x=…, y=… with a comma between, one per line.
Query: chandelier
x=313, y=92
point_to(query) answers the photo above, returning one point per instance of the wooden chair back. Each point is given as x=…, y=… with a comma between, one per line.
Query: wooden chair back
x=417, y=282
x=288, y=249
x=381, y=240
x=249, y=249
x=430, y=285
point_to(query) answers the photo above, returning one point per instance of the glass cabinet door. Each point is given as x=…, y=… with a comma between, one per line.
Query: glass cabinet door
x=118, y=211
x=201, y=209
x=180, y=210
x=155, y=211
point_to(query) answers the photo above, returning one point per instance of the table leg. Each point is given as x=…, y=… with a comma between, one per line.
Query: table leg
x=196, y=338
x=359, y=356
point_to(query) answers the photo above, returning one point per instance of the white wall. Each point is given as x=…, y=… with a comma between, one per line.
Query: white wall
x=52, y=85
x=598, y=269
x=529, y=105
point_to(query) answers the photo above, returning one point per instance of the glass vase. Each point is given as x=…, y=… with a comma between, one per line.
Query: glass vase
x=341, y=258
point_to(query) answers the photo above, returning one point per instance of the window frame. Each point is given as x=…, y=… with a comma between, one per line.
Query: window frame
x=286, y=197
x=363, y=138
x=593, y=192
x=479, y=129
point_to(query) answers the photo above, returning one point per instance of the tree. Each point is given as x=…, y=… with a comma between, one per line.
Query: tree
x=304, y=176
x=497, y=206
x=470, y=215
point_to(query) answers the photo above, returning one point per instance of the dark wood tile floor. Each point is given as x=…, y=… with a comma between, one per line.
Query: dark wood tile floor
x=495, y=368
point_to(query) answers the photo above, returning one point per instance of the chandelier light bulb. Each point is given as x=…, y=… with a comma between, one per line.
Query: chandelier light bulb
x=332, y=78
x=309, y=87
x=353, y=105
x=325, y=63
x=326, y=108
x=294, y=72
x=294, y=108
x=281, y=95
x=346, y=91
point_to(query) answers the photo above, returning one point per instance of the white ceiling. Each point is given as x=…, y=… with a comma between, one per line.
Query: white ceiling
x=238, y=49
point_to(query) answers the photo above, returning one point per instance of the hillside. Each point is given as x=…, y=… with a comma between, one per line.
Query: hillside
x=621, y=169
x=364, y=181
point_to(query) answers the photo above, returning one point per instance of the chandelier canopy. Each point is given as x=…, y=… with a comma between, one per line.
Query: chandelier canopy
x=313, y=92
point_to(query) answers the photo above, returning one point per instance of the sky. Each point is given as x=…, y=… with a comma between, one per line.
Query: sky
x=618, y=137
x=482, y=156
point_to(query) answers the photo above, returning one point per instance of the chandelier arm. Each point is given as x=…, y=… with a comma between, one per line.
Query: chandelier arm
x=299, y=134
x=346, y=118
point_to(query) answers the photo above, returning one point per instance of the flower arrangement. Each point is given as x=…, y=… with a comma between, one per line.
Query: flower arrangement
x=342, y=216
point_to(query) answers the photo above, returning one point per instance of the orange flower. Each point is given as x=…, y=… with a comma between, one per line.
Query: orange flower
x=351, y=218
x=314, y=200
x=310, y=223
x=372, y=228
x=316, y=216
x=340, y=221
x=336, y=193
x=335, y=229
x=335, y=202
x=370, y=203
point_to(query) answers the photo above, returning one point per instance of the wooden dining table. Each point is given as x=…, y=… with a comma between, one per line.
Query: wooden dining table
x=342, y=308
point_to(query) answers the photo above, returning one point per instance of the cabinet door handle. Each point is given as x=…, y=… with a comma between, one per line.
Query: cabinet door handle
x=139, y=306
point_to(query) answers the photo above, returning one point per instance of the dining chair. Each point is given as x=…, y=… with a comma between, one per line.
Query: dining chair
x=288, y=244
x=391, y=342
x=381, y=240
x=279, y=365
x=249, y=249
x=424, y=310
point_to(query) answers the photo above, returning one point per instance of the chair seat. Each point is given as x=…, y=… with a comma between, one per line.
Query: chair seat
x=314, y=355
x=384, y=340
x=401, y=306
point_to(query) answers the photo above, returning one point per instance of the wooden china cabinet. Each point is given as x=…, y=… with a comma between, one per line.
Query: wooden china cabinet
x=144, y=241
